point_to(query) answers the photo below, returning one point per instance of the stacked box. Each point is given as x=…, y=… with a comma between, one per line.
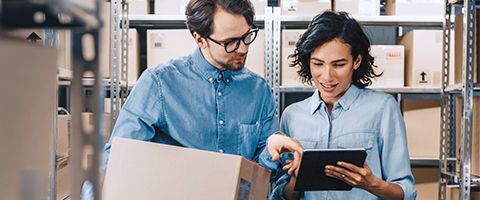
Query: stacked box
x=389, y=60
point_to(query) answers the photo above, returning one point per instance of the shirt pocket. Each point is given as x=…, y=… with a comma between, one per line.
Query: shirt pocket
x=248, y=139
x=356, y=139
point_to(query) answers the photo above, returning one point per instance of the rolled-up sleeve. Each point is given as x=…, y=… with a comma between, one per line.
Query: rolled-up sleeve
x=394, y=150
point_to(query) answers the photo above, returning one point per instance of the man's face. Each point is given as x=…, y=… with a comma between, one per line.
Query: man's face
x=226, y=26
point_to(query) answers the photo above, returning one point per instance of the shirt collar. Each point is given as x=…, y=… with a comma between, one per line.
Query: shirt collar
x=207, y=70
x=345, y=101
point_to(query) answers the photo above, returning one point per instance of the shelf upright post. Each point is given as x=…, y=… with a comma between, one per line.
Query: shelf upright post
x=276, y=57
x=467, y=93
x=446, y=132
x=86, y=144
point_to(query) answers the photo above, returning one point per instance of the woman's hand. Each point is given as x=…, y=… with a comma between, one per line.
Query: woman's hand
x=353, y=175
x=362, y=177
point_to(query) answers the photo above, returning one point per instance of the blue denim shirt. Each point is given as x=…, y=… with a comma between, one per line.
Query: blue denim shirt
x=188, y=102
x=361, y=118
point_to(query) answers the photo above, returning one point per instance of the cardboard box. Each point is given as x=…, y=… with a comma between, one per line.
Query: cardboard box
x=359, y=7
x=390, y=60
x=423, y=57
x=475, y=157
x=170, y=7
x=288, y=75
x=138, y=7
x=422, y=121
x=256, y=55
x=259, y=6
x=162, y=45
x=63, y=135
x=453, y=193
x=88, y=123
x=28, y=84
x=144, y=170
x=426, y=182
x=304, y=7
x=62, y=181
x=434, y=8
x=133, y=56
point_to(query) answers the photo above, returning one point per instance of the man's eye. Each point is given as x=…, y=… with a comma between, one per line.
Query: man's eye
x=339, y=64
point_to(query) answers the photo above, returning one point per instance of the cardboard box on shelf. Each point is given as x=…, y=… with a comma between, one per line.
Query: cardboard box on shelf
x=162, y=45
x=133, y=56
x=426, y=182
x=390, y=61
x=359, y=7
x=423, y=57
x=255, y=59
x=63, y=182
x=170, y=7
x=88, y=123
x=143, y=170
x=28, y=84
x=288, y=75
x=475, y=156
x=138, y=7
x=304, y=7
x=433, y=8
x=259, y=6
x=63, y=134
x=428, y=113
x=453, y=193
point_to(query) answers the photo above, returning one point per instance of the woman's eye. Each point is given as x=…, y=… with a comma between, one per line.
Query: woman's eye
x=317, y=64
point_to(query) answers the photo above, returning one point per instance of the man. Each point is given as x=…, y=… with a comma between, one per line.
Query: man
x=208, y=100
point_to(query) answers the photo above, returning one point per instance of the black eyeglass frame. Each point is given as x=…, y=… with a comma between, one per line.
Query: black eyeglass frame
x=236, y=41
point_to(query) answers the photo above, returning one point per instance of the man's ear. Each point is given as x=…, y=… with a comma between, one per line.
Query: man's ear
x=201, y=42
x=357, y=62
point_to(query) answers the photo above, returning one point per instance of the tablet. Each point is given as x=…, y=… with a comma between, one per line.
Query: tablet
x=311, y=175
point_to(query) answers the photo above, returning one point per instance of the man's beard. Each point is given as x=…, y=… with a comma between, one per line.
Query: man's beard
x=234, y=64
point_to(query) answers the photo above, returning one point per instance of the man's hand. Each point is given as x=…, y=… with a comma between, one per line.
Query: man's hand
x=280, y=143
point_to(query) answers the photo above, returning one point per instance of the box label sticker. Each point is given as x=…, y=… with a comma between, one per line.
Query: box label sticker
x=244, y=189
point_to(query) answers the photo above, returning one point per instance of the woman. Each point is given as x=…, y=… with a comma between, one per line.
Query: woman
x=333, y=53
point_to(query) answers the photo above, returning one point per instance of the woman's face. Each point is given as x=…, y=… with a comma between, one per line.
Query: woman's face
x=332, y=68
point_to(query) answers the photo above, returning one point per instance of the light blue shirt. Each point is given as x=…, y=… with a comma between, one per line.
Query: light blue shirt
x=361, y=118
x=188, y=102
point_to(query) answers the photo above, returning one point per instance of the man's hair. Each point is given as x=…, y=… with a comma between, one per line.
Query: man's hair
x=200, y=13
x=326, y=27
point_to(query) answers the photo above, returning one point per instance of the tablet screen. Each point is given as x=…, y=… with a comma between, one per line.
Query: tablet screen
x=311, y=175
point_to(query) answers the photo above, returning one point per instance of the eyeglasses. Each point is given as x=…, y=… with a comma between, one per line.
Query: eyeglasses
x=233, y=44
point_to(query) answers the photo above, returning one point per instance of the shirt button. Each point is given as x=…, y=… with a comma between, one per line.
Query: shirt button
x=219, y=94
x=221, y=122
x=220, y=76
x=210, y=79
x=228, y=80
x=221, y=150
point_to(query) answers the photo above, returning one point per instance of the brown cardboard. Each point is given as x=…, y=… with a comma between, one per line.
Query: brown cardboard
x=433, y=8
x=162, y=45
x=170, y=7
x=423, y=57
x=259, y=6
x=359, y=7
x=475, y=157
x=453, y=193
x=255, y=58
x=27, y=118
x=62, y=181
x=304, y=7
x=138, y=7
x=133, y=56
x=426, y=182
x=88, y=124
x=422, y=121
x=144, y=170
x=288, y=75
x=390, y=61
x=63, y=135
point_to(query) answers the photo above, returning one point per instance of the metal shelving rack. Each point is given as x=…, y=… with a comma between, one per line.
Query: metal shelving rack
x=467, y=89
x=83, y=18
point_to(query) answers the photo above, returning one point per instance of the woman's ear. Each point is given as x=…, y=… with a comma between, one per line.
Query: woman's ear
x=201, y=42
x=357, y=62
